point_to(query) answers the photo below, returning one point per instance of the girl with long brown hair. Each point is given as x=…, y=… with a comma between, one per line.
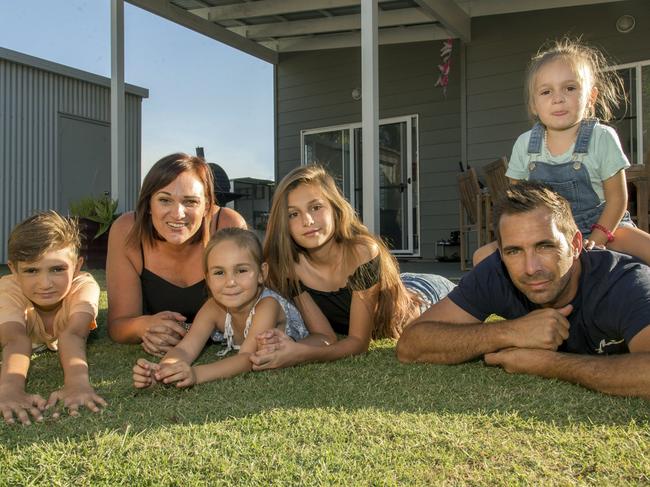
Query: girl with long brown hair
x=342, y=278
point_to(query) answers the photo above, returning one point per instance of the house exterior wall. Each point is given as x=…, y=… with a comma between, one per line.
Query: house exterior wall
x=501, y=47
x=313, y=89
x=31, y=100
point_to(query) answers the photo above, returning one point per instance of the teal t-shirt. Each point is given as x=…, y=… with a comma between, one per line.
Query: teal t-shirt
x=604, y=158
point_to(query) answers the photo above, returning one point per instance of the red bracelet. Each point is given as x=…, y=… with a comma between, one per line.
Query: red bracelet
x=610, y=235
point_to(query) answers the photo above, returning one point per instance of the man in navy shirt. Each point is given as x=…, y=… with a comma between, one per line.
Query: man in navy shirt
x=579, y=316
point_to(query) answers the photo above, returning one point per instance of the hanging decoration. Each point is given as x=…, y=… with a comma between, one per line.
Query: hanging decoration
x=445, y=56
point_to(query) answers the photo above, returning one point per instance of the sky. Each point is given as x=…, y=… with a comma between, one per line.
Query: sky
x=201, y=92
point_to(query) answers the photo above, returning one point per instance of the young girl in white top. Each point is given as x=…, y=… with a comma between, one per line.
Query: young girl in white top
x=239, y=308
x=567, y=87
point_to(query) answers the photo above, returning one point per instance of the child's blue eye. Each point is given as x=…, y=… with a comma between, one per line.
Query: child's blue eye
x=59, y=269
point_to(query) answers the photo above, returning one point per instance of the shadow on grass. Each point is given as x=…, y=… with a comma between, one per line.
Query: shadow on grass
x=375, y=381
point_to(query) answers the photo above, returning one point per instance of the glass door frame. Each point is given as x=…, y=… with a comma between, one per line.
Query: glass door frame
x=638, y=67
x=410, y=155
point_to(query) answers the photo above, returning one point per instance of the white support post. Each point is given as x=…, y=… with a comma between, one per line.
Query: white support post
x=118, y=118
x=370, y=115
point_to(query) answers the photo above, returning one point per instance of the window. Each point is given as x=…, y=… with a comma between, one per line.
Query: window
x=631, y=120
x=339, y=149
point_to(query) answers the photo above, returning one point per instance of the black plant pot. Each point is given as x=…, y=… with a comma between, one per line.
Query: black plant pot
x=93, y=250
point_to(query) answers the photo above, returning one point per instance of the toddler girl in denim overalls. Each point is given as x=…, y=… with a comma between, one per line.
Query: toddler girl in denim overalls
x=569, y=150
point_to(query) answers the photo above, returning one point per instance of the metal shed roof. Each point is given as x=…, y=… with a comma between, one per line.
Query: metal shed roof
x=35, y=62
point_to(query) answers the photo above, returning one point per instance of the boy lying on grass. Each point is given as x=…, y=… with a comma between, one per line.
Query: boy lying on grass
x=46, y=303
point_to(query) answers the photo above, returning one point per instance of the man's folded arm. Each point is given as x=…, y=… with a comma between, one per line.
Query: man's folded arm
x=447, y=334
x=622, y=375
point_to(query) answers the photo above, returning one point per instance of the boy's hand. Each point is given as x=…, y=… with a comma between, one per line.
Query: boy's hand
x=178, y=372
x=19, y=403
x=143, y=373
x=73, y=397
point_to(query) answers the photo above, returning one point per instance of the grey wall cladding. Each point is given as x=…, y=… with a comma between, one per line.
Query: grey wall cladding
x=313, y=89
x=31, y=100
x=501, y=48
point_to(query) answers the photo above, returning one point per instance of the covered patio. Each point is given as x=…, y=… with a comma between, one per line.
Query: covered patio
x=429, y=83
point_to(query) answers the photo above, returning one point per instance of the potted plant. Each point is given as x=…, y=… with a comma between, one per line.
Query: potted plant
x=95, y=215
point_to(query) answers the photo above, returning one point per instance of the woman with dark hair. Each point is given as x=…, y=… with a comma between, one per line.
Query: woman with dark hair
x=154, y=273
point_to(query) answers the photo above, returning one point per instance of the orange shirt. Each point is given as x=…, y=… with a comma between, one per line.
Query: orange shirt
x=15, y=307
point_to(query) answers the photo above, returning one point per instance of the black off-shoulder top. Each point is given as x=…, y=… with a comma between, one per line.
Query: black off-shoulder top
x=336, y=305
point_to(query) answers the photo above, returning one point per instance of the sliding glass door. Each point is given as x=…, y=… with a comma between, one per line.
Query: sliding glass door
x=339, y=149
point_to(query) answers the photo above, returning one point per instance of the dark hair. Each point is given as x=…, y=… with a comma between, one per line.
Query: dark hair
x=527, y=196
x=160, y=175
x=241, y=237
x=589, y=64
x=40, y=233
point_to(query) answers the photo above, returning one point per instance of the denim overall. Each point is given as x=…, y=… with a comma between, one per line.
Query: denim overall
x=571, y=179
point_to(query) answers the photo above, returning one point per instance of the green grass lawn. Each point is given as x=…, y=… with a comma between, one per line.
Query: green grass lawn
x=366, y=420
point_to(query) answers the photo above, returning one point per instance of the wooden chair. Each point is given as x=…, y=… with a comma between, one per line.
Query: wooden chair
x=639, y=176
x=471, y=213
x=496, y=182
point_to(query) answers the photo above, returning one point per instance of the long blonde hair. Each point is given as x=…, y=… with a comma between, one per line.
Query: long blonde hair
x=394, y=305
x=590, y=65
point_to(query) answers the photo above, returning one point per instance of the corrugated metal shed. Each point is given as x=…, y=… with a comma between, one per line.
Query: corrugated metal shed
x=34, y=94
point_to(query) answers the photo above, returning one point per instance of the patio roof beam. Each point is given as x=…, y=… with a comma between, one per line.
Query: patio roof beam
x=118, y=116
x=498, y=7
x=449, y=14
x=183, y=17
x=394, y=35
x=391, y=18
x=268, y=8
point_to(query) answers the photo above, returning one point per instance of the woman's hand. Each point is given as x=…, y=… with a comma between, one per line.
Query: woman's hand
x=275, y=350
x=164, y=333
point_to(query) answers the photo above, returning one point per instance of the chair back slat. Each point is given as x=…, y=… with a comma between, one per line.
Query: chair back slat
x=469, y=190
x=495, y=177
x=639, y=176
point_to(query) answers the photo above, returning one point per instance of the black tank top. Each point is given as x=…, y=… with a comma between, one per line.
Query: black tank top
x=336, y=305
x=159, y=295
